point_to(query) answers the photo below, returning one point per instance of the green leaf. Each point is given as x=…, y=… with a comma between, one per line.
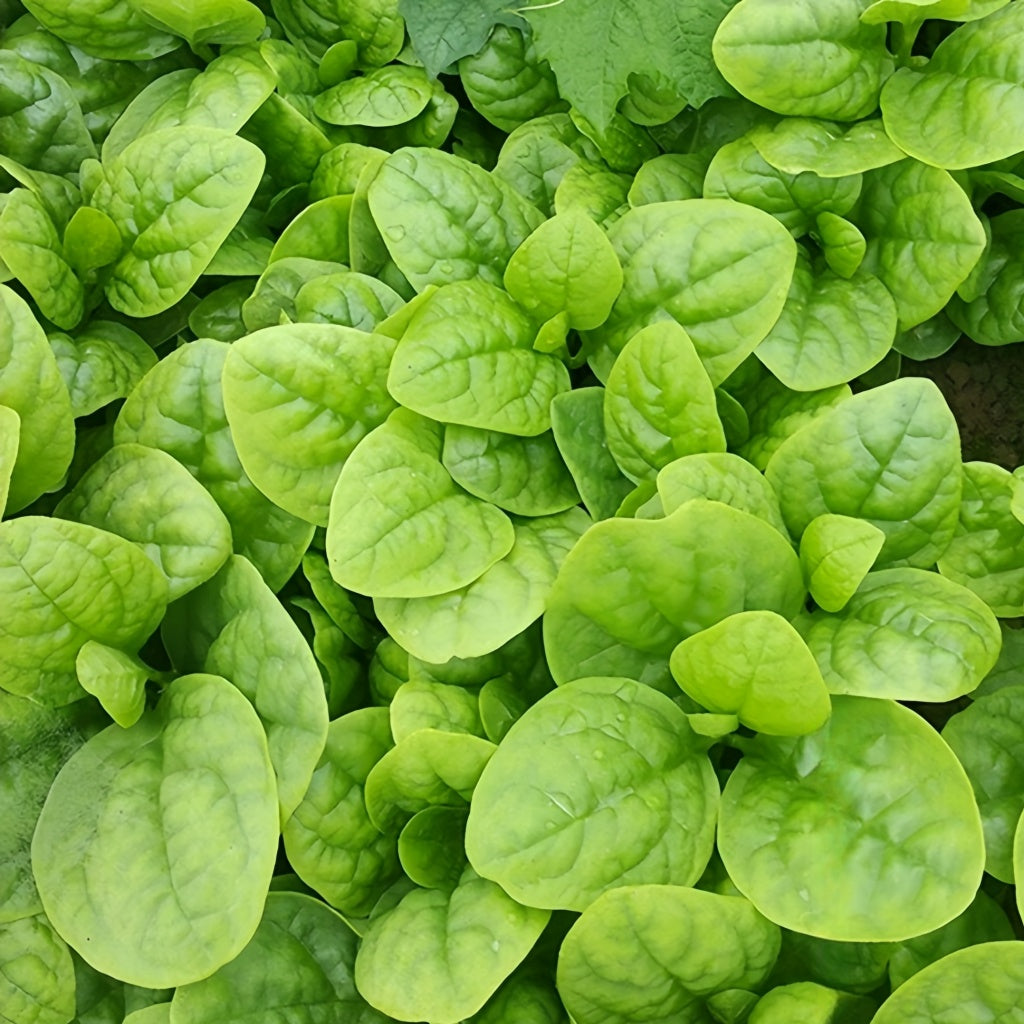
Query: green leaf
x=467, y=357
x=913, y=12
x=836, y=553
x=41, y=122
x=807, y=1001
x=659, y=403
x=34, y=742
x=830, y=150
x=993, y=316
x=905, y=634
x=631, y=590
x=522, y=475
x=234, y=627
x=31, y=248
x=206, y=22
x=673, y=948
x=719, y=476
x=428, y=705
x=983, y=921
x=442, y=955
x=865, y=831
x=113, y=29
x=314, y=26
x=101, y=364
x=329, y=839
x=147, y=497
x=431, y=847
x=429, y=767
x=739, y=171
x=988, y=976
x=480, y=617
x=631, y=38
x=148, y=904
x=272, y=302
x=399, y=526
x=445, y=219
x=566, y=265
x=535, y=158
x=923, y=236
x=503, y=77
x=91, y=241
x=577, y=423
x=299, y=398
x=775, y=412
x=178, y=408
x=542, y=824
x=174, y=195
x=668, y=177
x=388, y=96
x=987, y=737
x=842, y=244
x=37, y=977
x=890, y=456
x=293, y=144
x=754, y=665
x=442, y=31
x=62, y=584
x=986, y=554
x=348, y=299
x=809, y=59
x=115, y=679
x=965, y=106
x=298, y=967
x=31, y=386
x=225, y=94
x=831, y=329
x=719, y=268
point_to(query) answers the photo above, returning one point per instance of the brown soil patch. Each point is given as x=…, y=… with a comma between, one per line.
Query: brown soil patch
x=985, y=389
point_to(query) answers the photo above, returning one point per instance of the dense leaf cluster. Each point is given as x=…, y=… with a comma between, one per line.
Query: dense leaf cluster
x=468, y=551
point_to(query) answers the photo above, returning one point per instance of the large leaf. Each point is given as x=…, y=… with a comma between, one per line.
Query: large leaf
x=330, y=841
x=104, y=28
x=719, y=268
x=148, y=904
x=891, y=456
x=923, y=236
x=399, y=526
x=905, y=634
x=467, y=357
x=632, y=38
x=989, y=976
x=682, y=944
x=299, y=398
x=965, y=106
x=625, y=796
x=809, y=58
x=174, y=195
x=441, y=955
x=866, y=830
x=147, y=497
x=62, y=584
x=632, y=589
x=498, y=605
x=444, y=219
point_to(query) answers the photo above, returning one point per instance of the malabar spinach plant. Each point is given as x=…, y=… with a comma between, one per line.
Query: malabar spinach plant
x=469, y=551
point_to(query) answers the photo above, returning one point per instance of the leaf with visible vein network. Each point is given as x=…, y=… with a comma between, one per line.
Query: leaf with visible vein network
x=593, y=47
